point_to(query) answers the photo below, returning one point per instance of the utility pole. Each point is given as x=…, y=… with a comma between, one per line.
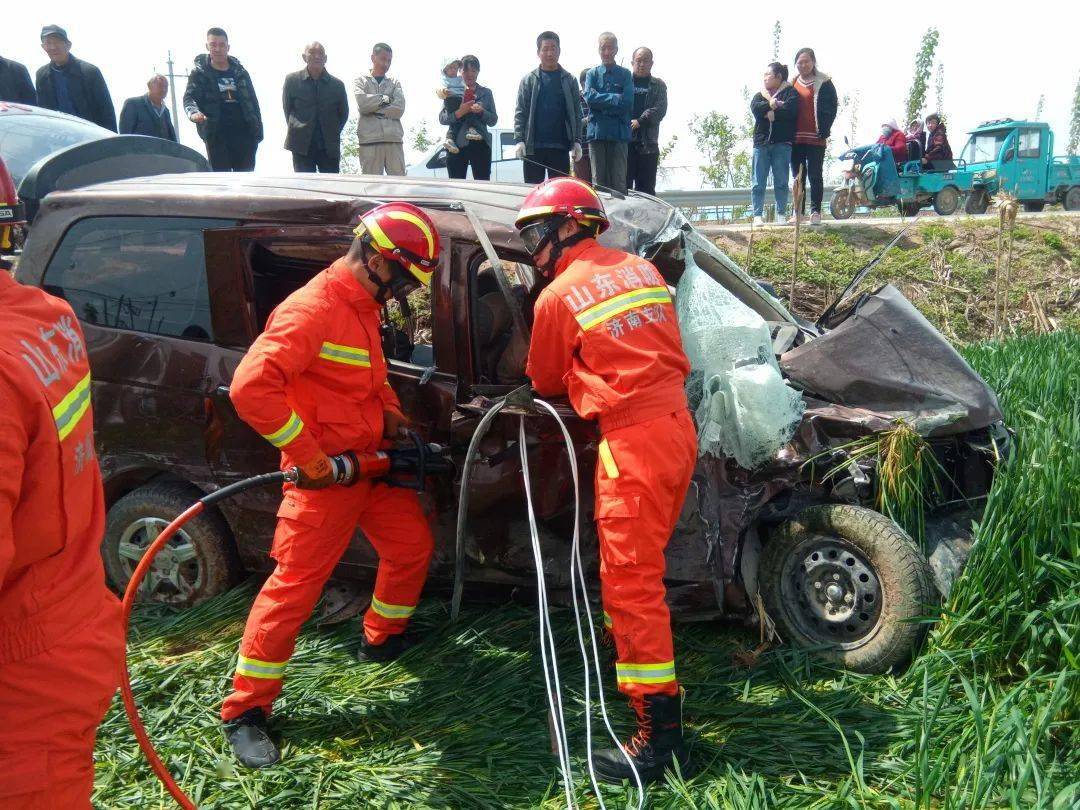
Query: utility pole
x=172, y=92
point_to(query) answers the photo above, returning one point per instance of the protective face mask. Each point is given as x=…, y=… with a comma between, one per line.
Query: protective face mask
x=886, y=131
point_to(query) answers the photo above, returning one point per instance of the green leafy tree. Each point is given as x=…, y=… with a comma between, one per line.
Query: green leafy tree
x=420, y=137
x=717, y=139
x=924, y=64
x=777, y=36
x=939, y=89
x=350, y=149
x=1074, y=124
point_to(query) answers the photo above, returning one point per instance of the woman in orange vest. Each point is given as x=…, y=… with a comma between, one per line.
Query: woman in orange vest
x=604, y=334
x=61, y=637
x=314, y=385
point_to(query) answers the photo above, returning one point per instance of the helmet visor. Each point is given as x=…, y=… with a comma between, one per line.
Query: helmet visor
x=537, y=234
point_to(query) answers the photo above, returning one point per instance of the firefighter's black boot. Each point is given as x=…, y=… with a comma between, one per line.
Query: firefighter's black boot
x=656, y=747
x=389, y=650
x=250, y=740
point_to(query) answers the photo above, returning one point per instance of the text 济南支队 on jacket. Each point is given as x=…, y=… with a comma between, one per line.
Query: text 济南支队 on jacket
x=781, y=129
x=525, y=108
x=609, y=92
x=202, y=95
x=379, y=122
x=86, y=87
x=307, y=101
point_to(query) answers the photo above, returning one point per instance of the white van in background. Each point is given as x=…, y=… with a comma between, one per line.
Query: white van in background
x=505, y=168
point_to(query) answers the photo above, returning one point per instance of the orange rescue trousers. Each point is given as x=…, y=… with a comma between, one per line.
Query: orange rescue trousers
x=314, y=529
x=51, y=705
x=642, y=477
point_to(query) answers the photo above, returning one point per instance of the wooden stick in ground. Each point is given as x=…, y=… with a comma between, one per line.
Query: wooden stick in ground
x=750, y=247
x=797, y=197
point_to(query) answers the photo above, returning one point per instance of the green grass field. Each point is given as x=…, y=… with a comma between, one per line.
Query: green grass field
x=987, y=716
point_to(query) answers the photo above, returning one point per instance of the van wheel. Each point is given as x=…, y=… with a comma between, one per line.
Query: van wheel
x=909, y=209
x=1072, y=199
x=947, y=201
x=977, y=202
x=841, y=205
x=198, y=563
x=847, y=582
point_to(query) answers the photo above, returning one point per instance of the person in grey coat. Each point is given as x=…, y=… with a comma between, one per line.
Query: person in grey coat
x=15, y=84
x=71, y=85
x=147, y=114
x=316, y=109
x=547, y=116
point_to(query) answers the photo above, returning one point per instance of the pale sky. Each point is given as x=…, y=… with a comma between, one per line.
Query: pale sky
x=998, y=58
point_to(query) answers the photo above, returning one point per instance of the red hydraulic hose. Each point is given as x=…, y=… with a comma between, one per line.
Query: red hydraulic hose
x=125, y=685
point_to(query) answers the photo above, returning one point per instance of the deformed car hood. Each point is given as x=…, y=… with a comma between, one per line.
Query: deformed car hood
x=886, y=357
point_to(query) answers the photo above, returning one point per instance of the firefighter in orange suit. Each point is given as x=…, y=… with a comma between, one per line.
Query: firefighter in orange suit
x=604, y=333
x=314, y=384
x=61, y=636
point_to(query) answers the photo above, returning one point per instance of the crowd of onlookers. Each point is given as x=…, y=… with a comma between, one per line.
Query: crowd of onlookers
x=602, y=125
x=607, y=124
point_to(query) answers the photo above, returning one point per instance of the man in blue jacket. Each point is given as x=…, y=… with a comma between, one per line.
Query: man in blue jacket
x=609, y=92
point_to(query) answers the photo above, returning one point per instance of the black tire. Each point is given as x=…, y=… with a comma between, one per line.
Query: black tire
x=867, y=557
x=1072, y=199
x=206, y=562
x=909, y=209
x=841, y=206
x=977, y=202
x=1034, y=206
x=946, y=201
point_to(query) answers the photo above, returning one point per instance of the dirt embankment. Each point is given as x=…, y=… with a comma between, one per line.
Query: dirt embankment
x=948, y=268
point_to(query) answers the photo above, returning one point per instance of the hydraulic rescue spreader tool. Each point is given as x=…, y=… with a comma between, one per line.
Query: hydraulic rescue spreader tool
x=406, y=467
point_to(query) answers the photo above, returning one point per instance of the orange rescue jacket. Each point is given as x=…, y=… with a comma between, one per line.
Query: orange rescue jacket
x=315, y=379
x=604, y=332
x=52, y=511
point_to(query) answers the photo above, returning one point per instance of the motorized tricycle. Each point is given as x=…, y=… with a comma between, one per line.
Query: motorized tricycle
x=874, y=181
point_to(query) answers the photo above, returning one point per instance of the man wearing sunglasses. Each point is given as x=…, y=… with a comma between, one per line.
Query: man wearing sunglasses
x=604, y=334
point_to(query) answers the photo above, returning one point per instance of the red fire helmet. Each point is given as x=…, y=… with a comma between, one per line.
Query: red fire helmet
x=403, y=233
x=564, y=196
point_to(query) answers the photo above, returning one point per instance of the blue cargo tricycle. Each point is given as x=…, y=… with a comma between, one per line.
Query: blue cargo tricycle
x=873, y=181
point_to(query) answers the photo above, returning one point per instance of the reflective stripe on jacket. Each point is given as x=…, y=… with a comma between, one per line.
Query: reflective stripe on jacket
x=605, y=333
x=315, y=379
x=52, y=513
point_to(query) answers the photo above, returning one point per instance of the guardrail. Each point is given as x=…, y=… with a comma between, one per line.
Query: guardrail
x=722, y=204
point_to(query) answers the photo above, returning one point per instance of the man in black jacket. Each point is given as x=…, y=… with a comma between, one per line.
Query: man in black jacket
x=147, y=114
x=547, y=116
x=71, y=85
x=650, y=107
x=221, y=102
x=15, y=84
x=316, y=109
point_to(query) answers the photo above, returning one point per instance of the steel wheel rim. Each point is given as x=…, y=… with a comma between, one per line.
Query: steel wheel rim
x=831, y=591
x=176, y=573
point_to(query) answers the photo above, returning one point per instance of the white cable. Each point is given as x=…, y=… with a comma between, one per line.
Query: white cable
x=576, y=583
x=546, y=636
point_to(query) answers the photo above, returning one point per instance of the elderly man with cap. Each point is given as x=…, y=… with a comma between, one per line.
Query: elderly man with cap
x=147, y=114
x=71, y=85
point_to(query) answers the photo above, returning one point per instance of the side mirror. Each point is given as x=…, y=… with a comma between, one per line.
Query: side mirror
x=1008, y=156
x=846, y=141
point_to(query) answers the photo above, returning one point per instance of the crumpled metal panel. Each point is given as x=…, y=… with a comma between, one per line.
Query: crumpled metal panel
x=887, y=358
